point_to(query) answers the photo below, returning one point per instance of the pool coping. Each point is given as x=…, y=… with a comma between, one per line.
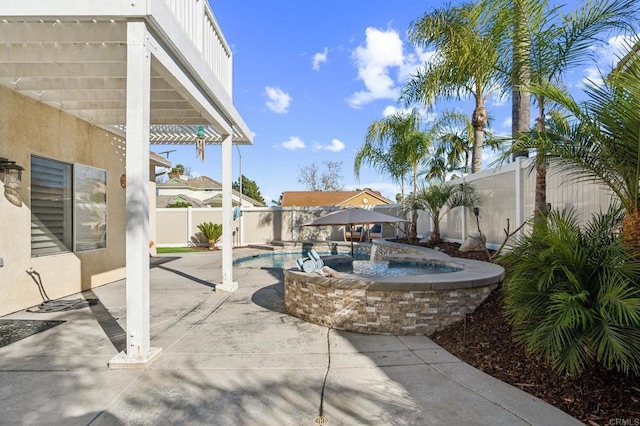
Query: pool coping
x=475, y=274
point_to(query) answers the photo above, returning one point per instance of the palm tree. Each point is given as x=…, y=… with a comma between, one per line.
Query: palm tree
x=464, y=63
x=385, y=160
x=601, y=138
x=397, y=143
x=211, y=232
x=439, y=199
x=553, y=49
x=454, y=140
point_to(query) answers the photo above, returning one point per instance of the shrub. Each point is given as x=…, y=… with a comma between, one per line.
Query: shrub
x=211, y=231
x=572, y=294
x=178, y=205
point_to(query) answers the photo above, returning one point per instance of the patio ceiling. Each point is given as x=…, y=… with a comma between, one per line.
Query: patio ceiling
x=79, y=66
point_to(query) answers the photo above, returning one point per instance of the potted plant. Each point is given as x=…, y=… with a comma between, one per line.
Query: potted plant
x=212, y=232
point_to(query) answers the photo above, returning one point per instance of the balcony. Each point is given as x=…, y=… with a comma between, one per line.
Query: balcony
x=73, y=56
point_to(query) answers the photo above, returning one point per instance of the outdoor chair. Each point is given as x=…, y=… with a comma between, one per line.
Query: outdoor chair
x=375, y=232
x=352, y=234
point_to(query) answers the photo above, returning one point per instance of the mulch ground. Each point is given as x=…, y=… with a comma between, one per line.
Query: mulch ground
x=598, y=397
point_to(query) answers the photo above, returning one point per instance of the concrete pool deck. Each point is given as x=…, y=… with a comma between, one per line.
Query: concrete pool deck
x=239, y=359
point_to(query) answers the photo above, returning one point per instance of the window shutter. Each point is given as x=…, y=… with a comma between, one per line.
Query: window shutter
x=51, y=207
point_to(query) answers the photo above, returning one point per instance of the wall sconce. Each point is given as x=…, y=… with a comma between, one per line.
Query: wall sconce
x=12, y=173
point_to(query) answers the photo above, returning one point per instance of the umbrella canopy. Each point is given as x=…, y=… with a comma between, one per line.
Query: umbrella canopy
x=353, y=216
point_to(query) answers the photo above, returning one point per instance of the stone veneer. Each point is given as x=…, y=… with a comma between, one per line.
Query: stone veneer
x=408, y=305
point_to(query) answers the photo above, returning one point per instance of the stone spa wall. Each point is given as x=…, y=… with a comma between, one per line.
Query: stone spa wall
x=405, y=305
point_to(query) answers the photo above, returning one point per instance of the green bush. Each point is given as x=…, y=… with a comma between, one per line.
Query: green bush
x=178, y=205
x=211, y=231
x=572, y=294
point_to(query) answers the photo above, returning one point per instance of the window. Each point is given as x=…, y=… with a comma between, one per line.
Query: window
x=90, y=208
x=52, y=207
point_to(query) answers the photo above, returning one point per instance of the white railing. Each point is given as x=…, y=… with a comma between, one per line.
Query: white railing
x=201, y=26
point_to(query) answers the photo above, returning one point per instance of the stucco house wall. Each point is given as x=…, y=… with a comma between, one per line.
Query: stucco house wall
x=31, y=128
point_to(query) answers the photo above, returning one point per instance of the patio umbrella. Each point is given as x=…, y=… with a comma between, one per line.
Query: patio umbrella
x=353, y=216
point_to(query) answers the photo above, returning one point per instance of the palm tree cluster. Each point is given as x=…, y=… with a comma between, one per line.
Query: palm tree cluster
x=481, y=49
x=587, y=308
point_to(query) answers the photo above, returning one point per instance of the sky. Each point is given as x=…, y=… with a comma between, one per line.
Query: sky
x=309, y=77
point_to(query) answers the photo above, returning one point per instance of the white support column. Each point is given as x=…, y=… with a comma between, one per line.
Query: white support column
x=227, y=218
x=138, y=353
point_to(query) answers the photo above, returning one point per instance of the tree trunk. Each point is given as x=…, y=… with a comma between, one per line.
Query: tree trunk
x=540, y=199
x=521, y=76
x=414, y=216
x=435, y=235
x=540, y=196
x=631, y=232
x=478, y=121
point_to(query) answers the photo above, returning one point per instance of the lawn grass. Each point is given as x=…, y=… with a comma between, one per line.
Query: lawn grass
x=177, y=250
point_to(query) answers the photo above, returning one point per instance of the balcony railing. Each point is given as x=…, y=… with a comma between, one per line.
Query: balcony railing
x=201, y=26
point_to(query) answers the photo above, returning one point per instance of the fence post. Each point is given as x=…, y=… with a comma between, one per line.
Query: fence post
x=189, y=225
x=518, y=192
x=464, y=216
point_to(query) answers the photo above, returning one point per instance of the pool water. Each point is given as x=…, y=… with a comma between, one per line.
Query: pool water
x=386, y=268
x=278, y=259
x=362, y=265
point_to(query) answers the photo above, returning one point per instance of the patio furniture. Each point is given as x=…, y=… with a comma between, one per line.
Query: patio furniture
x=353, y=234
x=375, y=231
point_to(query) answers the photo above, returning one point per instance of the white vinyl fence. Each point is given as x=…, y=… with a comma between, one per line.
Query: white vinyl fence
x=257, y=225
x=506, y=196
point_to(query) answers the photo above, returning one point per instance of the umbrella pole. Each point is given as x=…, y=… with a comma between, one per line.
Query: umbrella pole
x=353, y=255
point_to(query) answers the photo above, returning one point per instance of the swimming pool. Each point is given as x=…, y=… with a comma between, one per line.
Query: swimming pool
x=401, y=304
x=278, y=259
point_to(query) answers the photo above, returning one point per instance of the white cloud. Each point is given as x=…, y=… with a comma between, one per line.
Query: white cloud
x=412, y=62
x=379, y=61
x=427, y=116
x=498, y=100
x=320, y=58
x=293, y=143
x=277, y=100
x=383, y=50
x=607, y=58
x=335, y=146
x=507, y=123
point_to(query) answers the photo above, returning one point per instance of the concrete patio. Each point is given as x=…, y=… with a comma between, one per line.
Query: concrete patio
x=239, y=359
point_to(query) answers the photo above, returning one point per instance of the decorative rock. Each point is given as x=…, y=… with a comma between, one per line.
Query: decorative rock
x=474, y=242
x=426, y=237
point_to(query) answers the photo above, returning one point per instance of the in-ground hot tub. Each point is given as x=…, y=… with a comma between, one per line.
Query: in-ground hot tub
x=391, y=304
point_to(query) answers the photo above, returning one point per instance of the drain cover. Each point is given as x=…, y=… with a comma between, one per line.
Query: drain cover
x=320, y=420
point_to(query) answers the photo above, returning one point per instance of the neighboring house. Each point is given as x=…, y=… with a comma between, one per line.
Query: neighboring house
x=85, y=88
x=333, y=198
x=199, y=192
x=164, y=201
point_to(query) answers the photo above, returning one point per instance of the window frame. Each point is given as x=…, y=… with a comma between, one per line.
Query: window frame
x=65, y=185
x=80, y=172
